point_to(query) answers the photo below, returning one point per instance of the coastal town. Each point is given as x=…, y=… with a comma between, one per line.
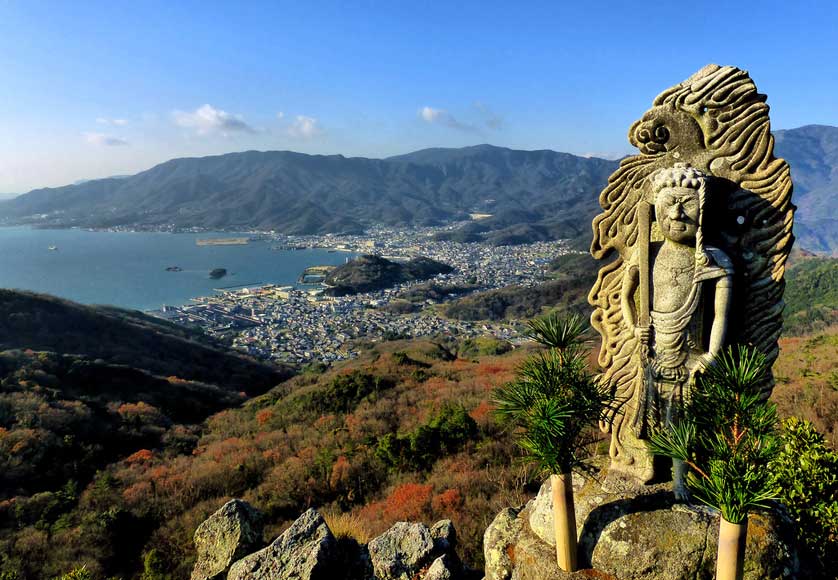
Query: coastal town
x=302, y=323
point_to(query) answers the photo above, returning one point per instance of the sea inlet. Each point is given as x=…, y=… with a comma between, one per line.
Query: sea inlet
x=128, y=269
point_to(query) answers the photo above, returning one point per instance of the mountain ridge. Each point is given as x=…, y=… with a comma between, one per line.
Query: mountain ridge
x=530, y=195
x=295, y=193
x=812, y=153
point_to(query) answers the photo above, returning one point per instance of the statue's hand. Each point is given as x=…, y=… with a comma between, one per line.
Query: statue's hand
x=657, y=369
x=706, y=361
x=643, y=334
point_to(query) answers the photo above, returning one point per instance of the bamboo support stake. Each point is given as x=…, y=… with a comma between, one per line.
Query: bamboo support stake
x=730, y=560
x=564, y=521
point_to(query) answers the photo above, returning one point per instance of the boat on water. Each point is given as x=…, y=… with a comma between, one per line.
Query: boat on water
x=53, y=248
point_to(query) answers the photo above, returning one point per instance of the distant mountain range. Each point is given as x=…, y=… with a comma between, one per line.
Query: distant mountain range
x=812, y=153
x=530, y=195
x=310, y=194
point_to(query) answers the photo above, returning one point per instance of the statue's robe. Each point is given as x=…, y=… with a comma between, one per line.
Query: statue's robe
x=680, y=339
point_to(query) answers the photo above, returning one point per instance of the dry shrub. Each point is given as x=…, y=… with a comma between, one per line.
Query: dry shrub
x=480, y=413
x=263, y=416
x=340, y=472
x=140, y=456
x=447, y=502
x=408, y=501
x=347, y=525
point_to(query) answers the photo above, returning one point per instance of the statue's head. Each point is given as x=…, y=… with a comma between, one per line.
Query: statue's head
x=677, y=197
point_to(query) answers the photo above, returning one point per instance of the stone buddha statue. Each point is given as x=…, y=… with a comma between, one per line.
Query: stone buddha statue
x=694, y=233
x=680, y=316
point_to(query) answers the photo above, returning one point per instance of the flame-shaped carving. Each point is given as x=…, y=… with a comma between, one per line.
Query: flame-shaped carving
x=717, y=122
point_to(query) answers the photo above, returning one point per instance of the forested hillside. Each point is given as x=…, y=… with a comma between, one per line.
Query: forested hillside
x=82, y=387
x=811, y=294
x=126, y=337
x=113, y=467
x=405, y=432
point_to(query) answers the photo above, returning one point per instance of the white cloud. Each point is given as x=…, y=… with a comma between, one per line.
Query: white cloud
x=104, y=140
x=305, y=127
x=206, y=120
x=430, y=114
x=444, y=118
x=112, y=122
x=491, y=119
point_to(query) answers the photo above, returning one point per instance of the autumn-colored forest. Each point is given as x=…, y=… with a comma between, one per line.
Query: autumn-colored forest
x=406, y=432
x=403, y=433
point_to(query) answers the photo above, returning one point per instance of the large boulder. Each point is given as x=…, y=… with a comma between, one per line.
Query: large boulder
x=631, y=535
x=305, y=551
x=229, y=534
x=402, y=551
x=499, y=542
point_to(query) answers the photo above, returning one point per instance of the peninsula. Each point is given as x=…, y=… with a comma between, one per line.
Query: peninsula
x=369, y=273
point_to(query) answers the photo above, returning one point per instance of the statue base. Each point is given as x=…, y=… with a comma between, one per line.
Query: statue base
x=629, y=535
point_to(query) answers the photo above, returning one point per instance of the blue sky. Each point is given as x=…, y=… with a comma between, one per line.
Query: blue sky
x=91, y=89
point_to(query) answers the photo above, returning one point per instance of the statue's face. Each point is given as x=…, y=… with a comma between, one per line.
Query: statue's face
x=676, y=210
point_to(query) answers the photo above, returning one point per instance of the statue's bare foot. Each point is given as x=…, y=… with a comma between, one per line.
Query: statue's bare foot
x=682, y=495
x=679, y=486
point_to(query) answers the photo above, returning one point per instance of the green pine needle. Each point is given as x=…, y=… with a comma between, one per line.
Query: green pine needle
x=554, y=397
x=728, y=435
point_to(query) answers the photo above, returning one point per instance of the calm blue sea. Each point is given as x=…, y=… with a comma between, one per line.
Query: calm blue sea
x=129, y=269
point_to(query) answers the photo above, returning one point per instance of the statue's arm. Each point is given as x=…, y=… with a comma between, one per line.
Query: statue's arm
x=721, y=314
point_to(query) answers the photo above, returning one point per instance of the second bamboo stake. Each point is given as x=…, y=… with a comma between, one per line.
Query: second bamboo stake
x=564, y=521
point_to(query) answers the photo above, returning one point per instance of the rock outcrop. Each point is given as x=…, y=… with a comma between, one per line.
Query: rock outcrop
x=407, y=551
x=499, y=542
x=307, y=550
x=443, y=568
x=229, y=534
x=401, y=551
x=625, y=535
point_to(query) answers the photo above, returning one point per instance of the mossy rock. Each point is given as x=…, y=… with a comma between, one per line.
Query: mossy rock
x=633, y=534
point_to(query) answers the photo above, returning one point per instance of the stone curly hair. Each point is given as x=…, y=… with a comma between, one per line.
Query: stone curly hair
x=679, y=175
